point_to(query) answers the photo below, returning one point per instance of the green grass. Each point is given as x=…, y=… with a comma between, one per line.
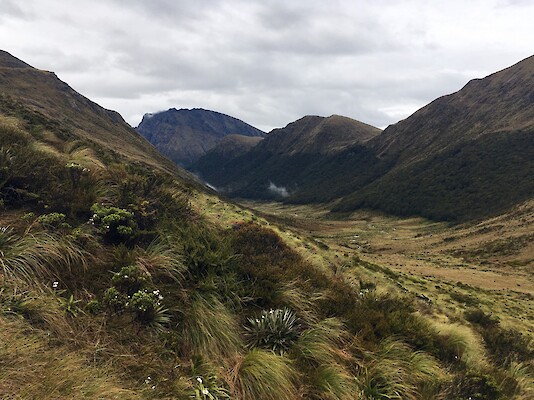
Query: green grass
x=261, y=374
x=210, y=329
x=186, y=290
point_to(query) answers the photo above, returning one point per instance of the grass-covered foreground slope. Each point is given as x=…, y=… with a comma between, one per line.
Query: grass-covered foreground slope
x=120, y=281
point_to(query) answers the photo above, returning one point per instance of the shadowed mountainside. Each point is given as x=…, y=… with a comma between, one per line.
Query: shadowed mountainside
x=463, y=156
x=312, y=157
x=185, y=135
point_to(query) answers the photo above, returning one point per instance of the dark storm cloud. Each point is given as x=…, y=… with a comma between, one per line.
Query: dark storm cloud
x=268, y=62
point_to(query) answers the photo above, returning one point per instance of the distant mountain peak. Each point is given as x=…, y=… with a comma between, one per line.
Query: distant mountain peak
x=184, y=135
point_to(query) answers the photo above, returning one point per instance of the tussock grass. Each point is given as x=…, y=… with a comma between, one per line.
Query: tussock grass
x=210, y=329
x=523, y=375
x=395, y=371
x=31, y=369
x=86, y=157
x=161, y=259
x=263, y=375
x=47, y=149
x=11, y=131
x=320, y=352
x=465, y=343
x=322, y=343
x=332, y=382
x=39, y=255
x=290, y=295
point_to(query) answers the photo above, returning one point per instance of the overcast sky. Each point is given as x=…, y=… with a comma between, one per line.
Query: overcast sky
x=268, y=62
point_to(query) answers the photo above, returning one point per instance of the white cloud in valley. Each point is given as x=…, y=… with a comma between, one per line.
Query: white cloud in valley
x=268, y=62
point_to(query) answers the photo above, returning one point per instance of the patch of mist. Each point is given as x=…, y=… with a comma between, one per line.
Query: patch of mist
x=279, y=190
x=211, y=186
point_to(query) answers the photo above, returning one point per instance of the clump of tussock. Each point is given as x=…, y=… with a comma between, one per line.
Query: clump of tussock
x=320, y=352
x=210, y=329
x=522, y=375
x=464, y=343
x=62, y=374
x=161, y=260
x=291, y=295
x=261, y=374
x=396, y=371
x=40, y=255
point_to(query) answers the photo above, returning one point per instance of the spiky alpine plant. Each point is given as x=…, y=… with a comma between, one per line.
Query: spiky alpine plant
x=276, y=330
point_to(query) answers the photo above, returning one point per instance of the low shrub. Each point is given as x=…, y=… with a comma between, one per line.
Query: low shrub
x=53, y=221
x=129, y=280
x=117, y=224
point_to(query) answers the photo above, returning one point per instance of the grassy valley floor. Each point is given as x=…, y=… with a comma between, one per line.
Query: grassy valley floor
x=488, y=265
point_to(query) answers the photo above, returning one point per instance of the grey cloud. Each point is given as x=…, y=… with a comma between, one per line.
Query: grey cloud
x=12, y=9
x=267, y=62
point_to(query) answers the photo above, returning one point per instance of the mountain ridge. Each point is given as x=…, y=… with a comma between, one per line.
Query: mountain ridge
x=184, y=135
x=45, y=96
x=446, y=161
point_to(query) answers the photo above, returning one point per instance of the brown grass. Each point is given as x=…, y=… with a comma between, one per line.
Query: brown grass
x=32, y=368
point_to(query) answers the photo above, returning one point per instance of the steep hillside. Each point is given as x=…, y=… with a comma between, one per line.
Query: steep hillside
x=39, y=95
x=501, y=102
x=310, y=159
x=185, y=135
x=119, y=280
x=464, y=156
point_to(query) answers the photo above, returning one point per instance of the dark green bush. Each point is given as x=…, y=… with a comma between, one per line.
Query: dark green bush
x=147, y=309
x=117, y=224
x=53, y=220
x=129, y=280
x=115, y=300
x=93, y=307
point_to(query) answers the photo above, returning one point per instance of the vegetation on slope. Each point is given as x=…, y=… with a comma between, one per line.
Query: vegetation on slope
x=478, y=178
x=464, y=156
x=107, y=271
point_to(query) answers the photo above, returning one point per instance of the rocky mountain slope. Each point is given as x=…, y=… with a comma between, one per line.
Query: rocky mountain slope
x=185, y=135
